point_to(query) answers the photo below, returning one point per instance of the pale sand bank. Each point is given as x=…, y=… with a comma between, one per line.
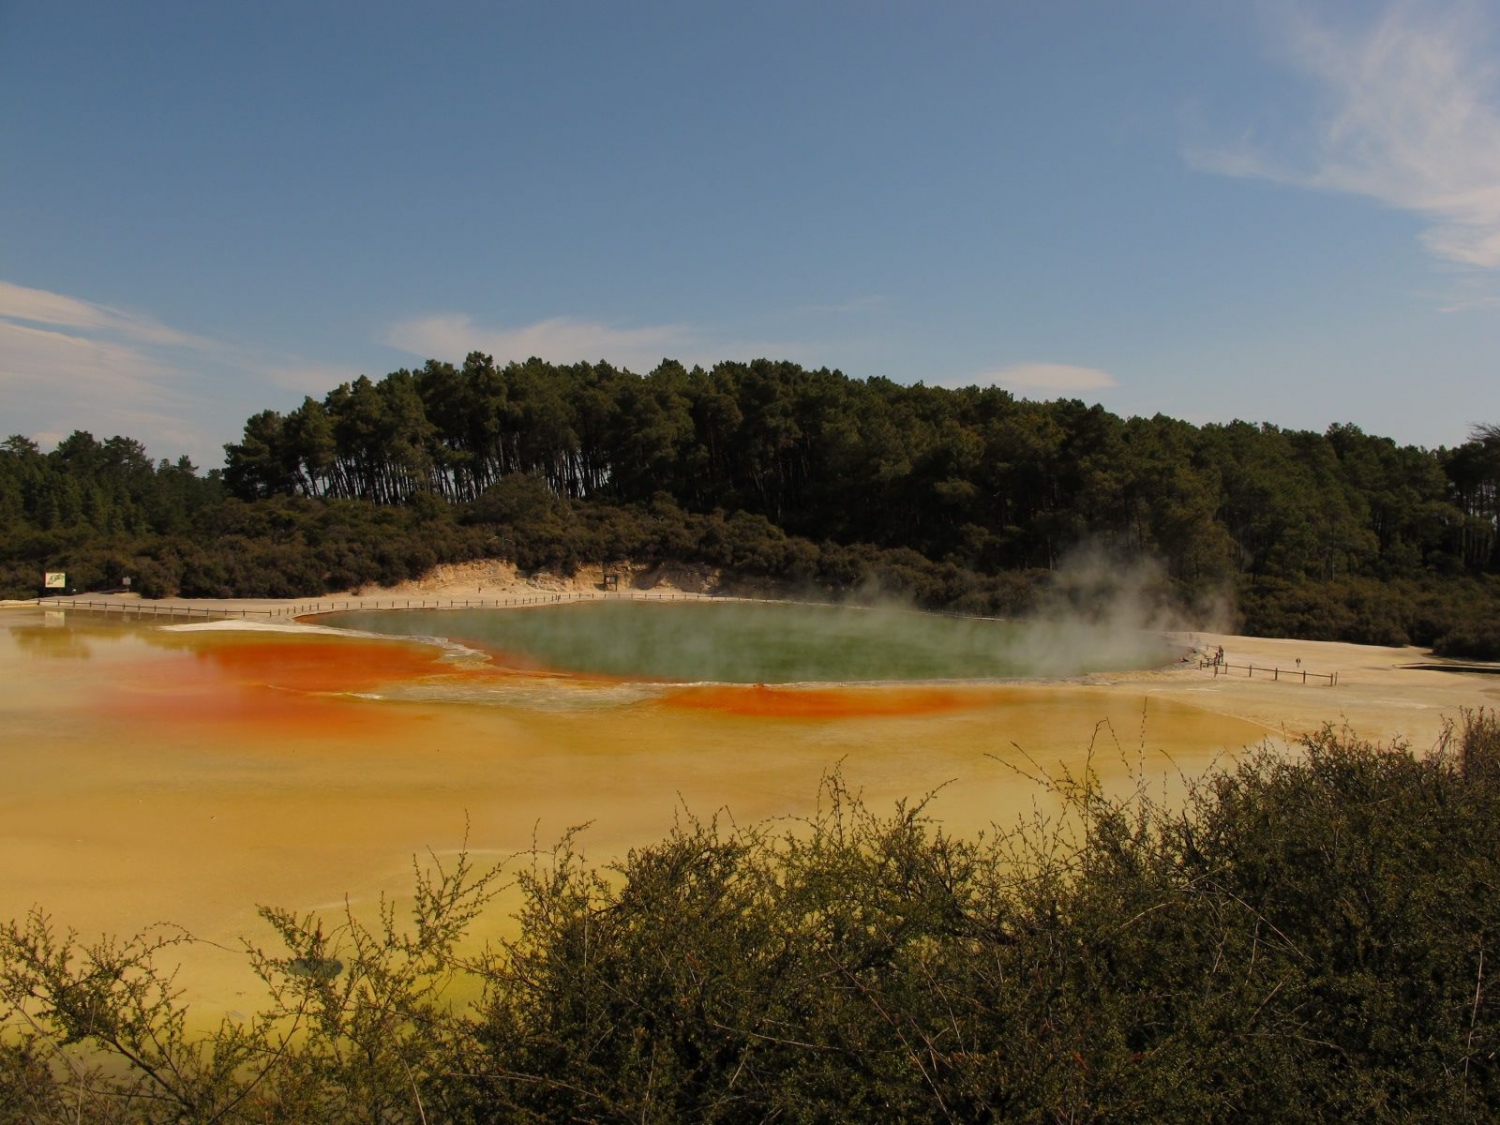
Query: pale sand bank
x=1378, y=695
x=250, y=625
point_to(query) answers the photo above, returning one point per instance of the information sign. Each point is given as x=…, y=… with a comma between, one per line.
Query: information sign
x=55, y=580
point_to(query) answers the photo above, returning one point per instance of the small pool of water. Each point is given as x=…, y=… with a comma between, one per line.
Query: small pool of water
x=756, y=642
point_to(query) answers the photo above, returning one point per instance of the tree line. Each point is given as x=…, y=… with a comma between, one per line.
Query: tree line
x=966, y=498
x=975, y=474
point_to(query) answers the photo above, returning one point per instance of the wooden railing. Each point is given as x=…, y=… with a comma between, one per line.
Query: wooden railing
x=171, y=609
x=148, y=608
x=1289, y=675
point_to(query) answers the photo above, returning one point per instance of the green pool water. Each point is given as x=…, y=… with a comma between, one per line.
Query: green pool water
x=749, y=642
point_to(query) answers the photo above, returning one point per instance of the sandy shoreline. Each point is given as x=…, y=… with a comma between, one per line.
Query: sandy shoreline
x=1378, y=695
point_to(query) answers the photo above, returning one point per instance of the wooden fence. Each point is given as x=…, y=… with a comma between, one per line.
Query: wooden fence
x=1290, y=675
x=146, y=608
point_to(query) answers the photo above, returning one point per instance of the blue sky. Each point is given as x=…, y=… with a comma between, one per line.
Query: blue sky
x=1269, y=211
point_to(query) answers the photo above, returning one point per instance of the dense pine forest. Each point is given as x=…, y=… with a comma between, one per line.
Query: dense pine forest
x=967, y=499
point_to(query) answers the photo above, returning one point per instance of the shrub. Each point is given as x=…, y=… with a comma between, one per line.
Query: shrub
x=1306, y=940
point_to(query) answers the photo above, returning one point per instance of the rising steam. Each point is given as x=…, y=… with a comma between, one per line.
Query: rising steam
x=1098, y=614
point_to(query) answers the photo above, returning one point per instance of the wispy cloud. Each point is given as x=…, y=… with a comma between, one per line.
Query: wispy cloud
x=54, y=382
x=68, y=363
x=1411, y=118
x=38, y=306
x=558, y=340
x=44, y=361
x=315, y=379
x=868, y=302
x=561, y=339
x=1046, y=378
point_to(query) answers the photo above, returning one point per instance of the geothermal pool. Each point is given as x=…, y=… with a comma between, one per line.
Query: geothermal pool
x=151, y=774
x=771, y=642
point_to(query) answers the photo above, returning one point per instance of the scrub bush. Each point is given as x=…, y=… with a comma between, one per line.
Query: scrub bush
x=1305, y=939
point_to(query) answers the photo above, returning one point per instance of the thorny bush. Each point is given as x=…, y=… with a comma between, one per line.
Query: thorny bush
x=1306, y=938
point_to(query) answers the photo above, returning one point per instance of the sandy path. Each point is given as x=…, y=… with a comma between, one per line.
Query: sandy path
x=1378, y=694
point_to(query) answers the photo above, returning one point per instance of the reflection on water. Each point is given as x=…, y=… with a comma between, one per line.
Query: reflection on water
x=51, y=637
x=188, y=776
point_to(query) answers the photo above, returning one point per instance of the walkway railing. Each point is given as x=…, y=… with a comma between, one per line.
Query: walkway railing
x=148, y=608
x=171, y=609
x=1290, y=675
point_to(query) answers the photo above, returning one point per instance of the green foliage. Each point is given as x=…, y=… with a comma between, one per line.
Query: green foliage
x=956, y=499
x=978, y=476
x=97, y=1032
x=1454, y=614
x=758, y=462
x=1307, y=939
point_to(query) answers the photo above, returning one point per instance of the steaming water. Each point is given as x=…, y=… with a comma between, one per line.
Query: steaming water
x=148, y=774
x=743, y=642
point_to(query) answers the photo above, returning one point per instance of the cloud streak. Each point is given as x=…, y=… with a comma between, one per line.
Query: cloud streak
x=67, y=363
x=43, y=361
x=1046, y=378
x=557, y=339
x=53, y=382
x=56, y=310
x=1411, y=119
x=315, y=379
x=561, y=339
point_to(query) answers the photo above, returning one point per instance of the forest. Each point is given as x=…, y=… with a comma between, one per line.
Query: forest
x=965, y=499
